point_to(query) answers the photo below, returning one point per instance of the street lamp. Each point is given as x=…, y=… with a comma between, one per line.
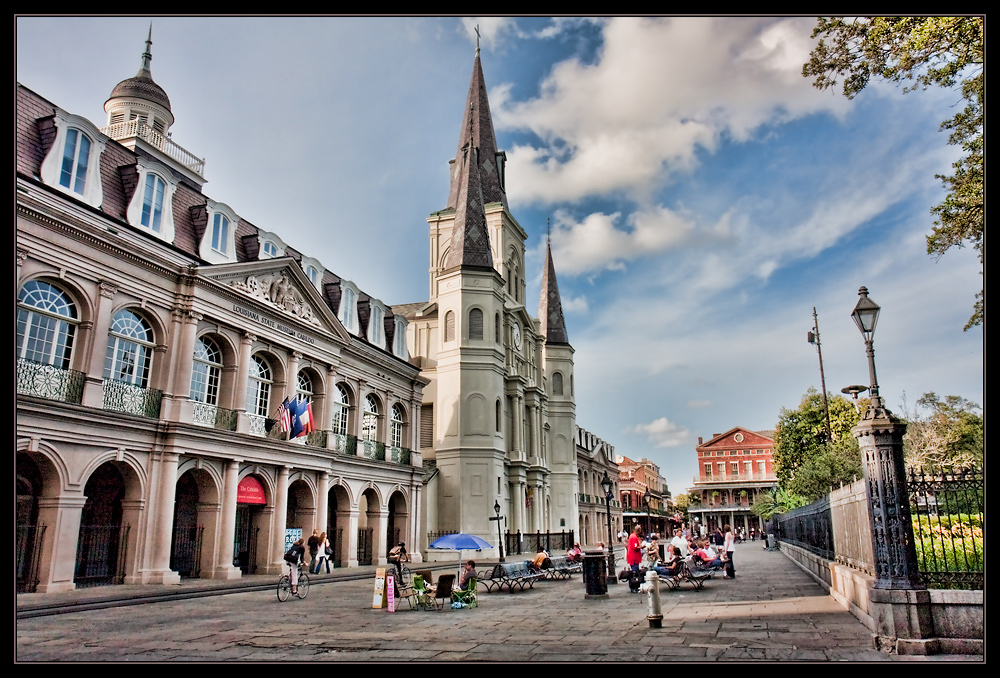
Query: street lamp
x=865, y=316
x=608, y=486
x=853, y=390
x=645, y=505
x=880, y=439
x=496, y=509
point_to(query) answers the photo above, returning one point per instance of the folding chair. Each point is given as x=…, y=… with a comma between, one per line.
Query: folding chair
x=467, y=596
x=421, y=595
x=442, y=593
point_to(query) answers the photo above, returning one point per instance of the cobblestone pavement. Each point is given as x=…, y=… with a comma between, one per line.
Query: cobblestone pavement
x=772, y=611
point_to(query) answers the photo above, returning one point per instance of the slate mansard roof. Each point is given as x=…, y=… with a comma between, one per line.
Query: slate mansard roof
x=35, y=134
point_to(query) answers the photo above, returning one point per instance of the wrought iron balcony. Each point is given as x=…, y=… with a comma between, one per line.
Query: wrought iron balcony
x=48, y=381
x=344, y=443
x=398, y=455
x=120, y=396
x=214, y=416
x=372, y=450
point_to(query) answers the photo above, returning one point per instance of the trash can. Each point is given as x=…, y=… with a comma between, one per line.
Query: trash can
x=595, y=569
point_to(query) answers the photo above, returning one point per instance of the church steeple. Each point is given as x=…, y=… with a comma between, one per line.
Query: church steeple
x=475, y=179
x=550, y=312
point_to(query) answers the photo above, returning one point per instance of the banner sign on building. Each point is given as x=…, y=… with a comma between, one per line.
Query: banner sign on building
x=250, y=491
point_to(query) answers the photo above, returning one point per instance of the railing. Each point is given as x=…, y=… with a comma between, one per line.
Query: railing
x=398, y=455
x=529, y=542
x=138, y=129
x=100, y=555
x=28, y=546
x=371, y=449
x=316, y=439
x=185, y=551
x=47, y=381
x=120, y=396
x=214, y=416
x=947, y=513
x=344, y=443
x=734, y=478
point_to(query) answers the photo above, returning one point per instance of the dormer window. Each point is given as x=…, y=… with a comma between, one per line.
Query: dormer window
x=348, y=314
x=270, y=250
x=375, y=330
x=220, y=233
x=399, y=339
x=314, y=271
x=271, y=246
x=312, y=274
x=152, y=202
x=76, y=156
x=72, y=164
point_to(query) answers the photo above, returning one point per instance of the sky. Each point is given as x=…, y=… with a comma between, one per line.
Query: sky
x=702, y=197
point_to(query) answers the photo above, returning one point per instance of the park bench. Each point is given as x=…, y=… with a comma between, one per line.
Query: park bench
x=511, y=575
x=562, y=568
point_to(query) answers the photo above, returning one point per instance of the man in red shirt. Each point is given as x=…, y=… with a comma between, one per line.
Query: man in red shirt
x=633, y=550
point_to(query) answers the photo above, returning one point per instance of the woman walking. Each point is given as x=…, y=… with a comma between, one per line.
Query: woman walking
x=730, y=547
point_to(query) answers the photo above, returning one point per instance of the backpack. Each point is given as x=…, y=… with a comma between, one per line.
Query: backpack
x=291, y=557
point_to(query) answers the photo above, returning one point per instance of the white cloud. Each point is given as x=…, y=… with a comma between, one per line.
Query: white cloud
x=660, y=89
x=661, y=432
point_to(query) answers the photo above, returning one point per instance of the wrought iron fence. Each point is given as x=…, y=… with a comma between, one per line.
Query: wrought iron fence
x=373, y=450
x=344, y=443
x=947, y=512
x=28, y=546
x=48, y=381
x=100, y=555
x=214, y=416
x=532, y=542
x=185, y=551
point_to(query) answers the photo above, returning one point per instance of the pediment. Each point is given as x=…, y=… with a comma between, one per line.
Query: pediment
x=739, y=437
x=280, y=285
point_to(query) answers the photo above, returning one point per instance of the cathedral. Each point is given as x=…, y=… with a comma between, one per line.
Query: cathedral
x=193, y=391
x=498, y=421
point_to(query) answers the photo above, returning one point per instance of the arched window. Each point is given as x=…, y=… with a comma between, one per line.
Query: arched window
x=557, y=383
x=46, y=323
x=304, y=387
x=347, y=309
x=476, y=324
x=152, y=202
x=130, y=349
x=206, y=372
x=369, y=424
x=220, y=233
x=396, y=427
x=259, y=387
x=449, y=326
x=340, y=408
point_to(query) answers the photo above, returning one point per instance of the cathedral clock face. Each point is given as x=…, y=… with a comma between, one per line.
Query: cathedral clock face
x=516, y=331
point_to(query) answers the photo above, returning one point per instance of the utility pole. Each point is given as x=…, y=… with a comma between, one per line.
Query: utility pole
x=813, y=338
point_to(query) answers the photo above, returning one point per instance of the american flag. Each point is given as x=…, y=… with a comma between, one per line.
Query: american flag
x=284, y=417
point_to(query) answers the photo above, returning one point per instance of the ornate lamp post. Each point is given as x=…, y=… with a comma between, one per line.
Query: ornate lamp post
x=608, y=486
x=880, y=437
x=645, y=506
x=496, y=509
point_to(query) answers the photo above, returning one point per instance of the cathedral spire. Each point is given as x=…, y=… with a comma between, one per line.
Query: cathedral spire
x=475, y=179
x=550, y=311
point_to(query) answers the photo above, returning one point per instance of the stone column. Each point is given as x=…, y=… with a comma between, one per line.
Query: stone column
x=57, y=559
x=322, y=501
x=224, y=568
x=93, y=389
x=240, y=387
x=159, y=571
x=280, y=517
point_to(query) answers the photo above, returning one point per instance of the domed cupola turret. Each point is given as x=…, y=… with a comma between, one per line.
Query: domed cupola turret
x=140, y=101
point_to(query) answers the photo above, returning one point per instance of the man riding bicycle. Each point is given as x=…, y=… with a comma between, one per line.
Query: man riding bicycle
x=397, y=556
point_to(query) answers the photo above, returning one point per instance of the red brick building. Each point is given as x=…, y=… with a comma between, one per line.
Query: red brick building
x=733, y=467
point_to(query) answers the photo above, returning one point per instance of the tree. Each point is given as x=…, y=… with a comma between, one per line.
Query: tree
x=924, y=51
x=769, y=504
x=946, y=437
x=806, y=461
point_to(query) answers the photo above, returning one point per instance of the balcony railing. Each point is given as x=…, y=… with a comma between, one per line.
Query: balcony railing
x=120, y=396
x=344, y=443
x=138, y=129
x=47, y=381
x=744, y=477
x=214, y=416
x=371, y=449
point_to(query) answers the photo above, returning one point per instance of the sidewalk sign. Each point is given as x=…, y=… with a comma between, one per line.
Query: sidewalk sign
x=378, y=600
x=390, y=590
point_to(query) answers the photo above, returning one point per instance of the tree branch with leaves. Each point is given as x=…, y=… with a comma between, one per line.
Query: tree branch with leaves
x=923, y=51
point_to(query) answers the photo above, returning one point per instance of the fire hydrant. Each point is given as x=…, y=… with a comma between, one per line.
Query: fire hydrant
x=651, y=587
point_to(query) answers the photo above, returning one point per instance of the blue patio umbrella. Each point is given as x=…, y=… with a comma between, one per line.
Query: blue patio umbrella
x=460, y=542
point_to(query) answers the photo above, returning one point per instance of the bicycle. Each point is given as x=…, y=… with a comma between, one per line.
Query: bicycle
x=285, y=586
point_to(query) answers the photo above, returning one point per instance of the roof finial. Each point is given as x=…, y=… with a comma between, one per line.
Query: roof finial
x=548, y=231
x=477, y=39
x=147, y=56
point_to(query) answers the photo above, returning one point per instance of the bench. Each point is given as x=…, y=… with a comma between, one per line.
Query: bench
x=511, y=575
x=563, y=568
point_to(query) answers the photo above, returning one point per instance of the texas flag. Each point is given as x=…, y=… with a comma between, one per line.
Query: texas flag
x=302, y=418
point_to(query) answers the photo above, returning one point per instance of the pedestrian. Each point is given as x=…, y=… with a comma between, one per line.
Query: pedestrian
x=324, y=553
x=293, y=557
x=730, y=547
x=313, y=545
x=633, y=554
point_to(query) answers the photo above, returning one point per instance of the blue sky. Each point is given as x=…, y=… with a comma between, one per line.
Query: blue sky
x=703, y=196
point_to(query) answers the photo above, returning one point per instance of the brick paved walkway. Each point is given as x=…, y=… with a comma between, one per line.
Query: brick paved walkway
x=771, y=611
